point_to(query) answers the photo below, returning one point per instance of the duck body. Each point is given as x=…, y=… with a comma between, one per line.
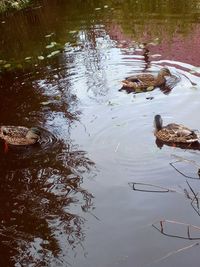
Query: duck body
x=19, y=135
x=174, y=133
x=143, y=81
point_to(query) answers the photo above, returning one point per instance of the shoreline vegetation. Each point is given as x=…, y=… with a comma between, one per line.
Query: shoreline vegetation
x=13, y=4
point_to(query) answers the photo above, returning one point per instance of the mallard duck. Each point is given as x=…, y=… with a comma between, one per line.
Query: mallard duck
x=146, y=80
x=19, y=135
x=173, y=133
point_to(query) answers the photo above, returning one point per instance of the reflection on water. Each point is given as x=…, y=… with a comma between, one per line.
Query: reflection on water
x=36, y=190
x=61, y=69
x=43, y=201
x=192, y=146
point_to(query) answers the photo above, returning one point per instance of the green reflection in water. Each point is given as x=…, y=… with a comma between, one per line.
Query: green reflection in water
x=161, y=19
x=13, y=4
x=49, y=27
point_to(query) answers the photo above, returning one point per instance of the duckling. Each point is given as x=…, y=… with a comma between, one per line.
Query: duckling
x=19, y=135
x=143, y=81
x=173, y=133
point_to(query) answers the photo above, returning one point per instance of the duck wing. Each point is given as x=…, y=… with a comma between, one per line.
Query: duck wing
x=179, y=130
x=179, y=133
x=13, y=131
x=146, y=78
x=139, y=81
x=13, y=134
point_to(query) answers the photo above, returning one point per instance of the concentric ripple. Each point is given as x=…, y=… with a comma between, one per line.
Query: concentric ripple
x=47, y=139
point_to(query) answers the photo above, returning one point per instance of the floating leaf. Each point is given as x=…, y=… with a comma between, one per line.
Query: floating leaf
x=58, y=97
x=141, y=46
x=52, y=44
x=45, y=103
x=15, y=5
x=40, y=57
x=197, y=69
x=122, y=124
x=97, y=8
x=8, y=65
x=27, y=58
x=55, y=52
x=150, y=88
x=110, y=103
x=49, y=35
x=156, y=55
x=49, y=46
x=138, y=49
x=192, y=71
x=155, y=41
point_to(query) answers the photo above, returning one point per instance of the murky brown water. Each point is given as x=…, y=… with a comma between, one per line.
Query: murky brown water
x=68, y=201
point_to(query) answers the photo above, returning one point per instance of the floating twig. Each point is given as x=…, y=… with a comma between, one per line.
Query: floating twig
x=195, y=209
x=187, y=194
x=181, y=159
x=188, y=227
x=176, y=251
x=195, y=194
x=158, y=189
x=117, y=147
x=189, y=177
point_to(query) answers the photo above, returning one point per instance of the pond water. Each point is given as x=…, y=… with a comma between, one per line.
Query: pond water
x=69, y=200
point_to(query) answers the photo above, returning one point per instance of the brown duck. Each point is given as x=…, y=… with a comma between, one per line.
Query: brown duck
x=174, y=133
x=145, y=81
x=19, y=135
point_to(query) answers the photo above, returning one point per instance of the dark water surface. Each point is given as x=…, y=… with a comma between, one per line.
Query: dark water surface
x=68, y=201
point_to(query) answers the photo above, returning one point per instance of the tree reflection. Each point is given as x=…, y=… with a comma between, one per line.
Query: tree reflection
x=37, y=196
x=141, y=20
x=43, y=201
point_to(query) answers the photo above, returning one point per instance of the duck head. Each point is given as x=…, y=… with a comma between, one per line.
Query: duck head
x=33, y=133
x=158, y=122
x=164, y=72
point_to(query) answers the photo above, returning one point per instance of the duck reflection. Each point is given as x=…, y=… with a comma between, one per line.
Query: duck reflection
x=193, y=146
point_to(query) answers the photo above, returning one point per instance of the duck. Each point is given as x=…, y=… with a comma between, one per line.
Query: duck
x=174, y=133
x=19, y=135
x=146, y=80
